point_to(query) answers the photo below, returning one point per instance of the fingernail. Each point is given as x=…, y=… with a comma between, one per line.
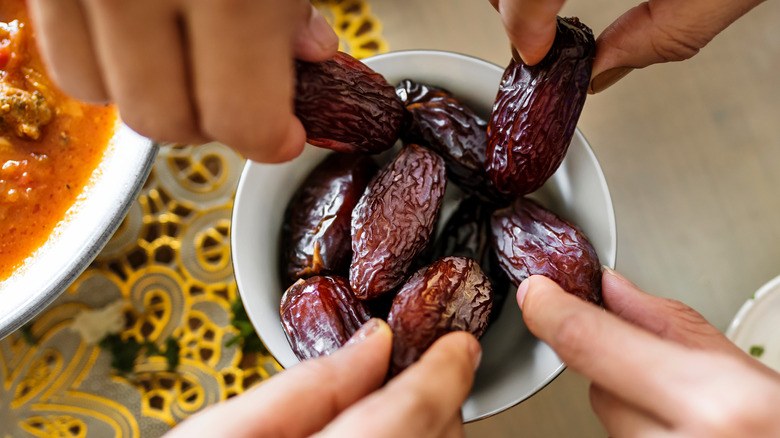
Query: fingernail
x=365, y=331
x=521, y=291
x=607, y=78
x=321, y=30
x=606, y=270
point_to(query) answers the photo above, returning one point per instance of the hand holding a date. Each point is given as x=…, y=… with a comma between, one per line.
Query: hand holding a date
x=653, y=32
x=657, y=367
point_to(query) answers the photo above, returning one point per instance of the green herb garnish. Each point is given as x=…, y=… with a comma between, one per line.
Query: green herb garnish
x=29, y=338
x=247, y=337
x=756, y=350
x=125, y=352
x=171, y=353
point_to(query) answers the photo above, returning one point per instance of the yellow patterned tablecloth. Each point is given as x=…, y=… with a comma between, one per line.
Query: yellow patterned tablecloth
x=169, y=268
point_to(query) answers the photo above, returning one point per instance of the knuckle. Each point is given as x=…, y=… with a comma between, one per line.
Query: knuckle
x=676, y=44
x=682, y=312
x=684, y=321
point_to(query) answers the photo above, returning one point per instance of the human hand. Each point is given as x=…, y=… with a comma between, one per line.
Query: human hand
x=342, y=394
x=188, y=72
x=653, y=32
x=657, y=367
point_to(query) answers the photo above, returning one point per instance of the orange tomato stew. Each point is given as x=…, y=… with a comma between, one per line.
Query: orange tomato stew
x=50, y=144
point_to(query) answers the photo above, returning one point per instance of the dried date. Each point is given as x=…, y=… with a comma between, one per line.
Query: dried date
x=451, y=294
x=437, y=119
x=394, y=220
x=320, y=314
x=530, y=240
x=467, y=234
x=536, y=111
x=346, y=106
x=467, y=231
x=316, y=232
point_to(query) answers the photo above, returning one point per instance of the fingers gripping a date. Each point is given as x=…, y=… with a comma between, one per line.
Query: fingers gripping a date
x=320, y=314
x=529, y=240
x=451, y=294
x=536, y=111
x=346, y=106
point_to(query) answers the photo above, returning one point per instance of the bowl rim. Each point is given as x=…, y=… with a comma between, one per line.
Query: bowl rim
x=135, y=156
x=610, y=212
x=770, y=287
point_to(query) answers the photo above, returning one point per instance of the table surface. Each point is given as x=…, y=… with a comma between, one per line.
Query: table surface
x=691, y=152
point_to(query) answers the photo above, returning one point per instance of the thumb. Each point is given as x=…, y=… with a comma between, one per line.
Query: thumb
x=660, y=31
x=530, y=25
x=314, y=40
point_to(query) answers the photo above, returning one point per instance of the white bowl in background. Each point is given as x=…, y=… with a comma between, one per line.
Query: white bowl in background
x=515, y=364
x=756, y=327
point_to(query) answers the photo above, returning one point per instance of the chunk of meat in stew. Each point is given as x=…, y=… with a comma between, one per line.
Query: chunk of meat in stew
x=23, y=113
x=24, y=110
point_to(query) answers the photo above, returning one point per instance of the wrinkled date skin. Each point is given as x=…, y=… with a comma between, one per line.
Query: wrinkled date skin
x=346, y=106
x=316, y=232
x=467, y=234
x=394, y=220
x=451, y=294
x=320, y=314
x=437, y=119
x=530, y=240
x=536, y=111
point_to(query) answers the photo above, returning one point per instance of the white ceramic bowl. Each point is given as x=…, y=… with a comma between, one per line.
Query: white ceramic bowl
x=515, y=364
x=87, y=227
x=756, y=326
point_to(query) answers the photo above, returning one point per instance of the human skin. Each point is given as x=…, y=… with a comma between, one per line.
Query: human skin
x=188, y=71
x=652, y=32
x=342, y=394
x=657, y=367
x=202, y=70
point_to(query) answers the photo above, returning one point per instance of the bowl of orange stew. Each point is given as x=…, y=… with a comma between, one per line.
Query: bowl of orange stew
x=69, y=171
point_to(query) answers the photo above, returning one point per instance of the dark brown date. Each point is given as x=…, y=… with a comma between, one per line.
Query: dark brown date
x=536, y=111
x=394, y=219
x=316, y=232
x=531, y=240
x=410, y=92
x=437, y=119
x=346, y=106
x=320, y=314
x=451, y=294
x=467, y=231
x=467, y=234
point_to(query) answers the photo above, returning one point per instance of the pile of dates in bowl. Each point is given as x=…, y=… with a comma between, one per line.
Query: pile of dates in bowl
x=427, y=192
